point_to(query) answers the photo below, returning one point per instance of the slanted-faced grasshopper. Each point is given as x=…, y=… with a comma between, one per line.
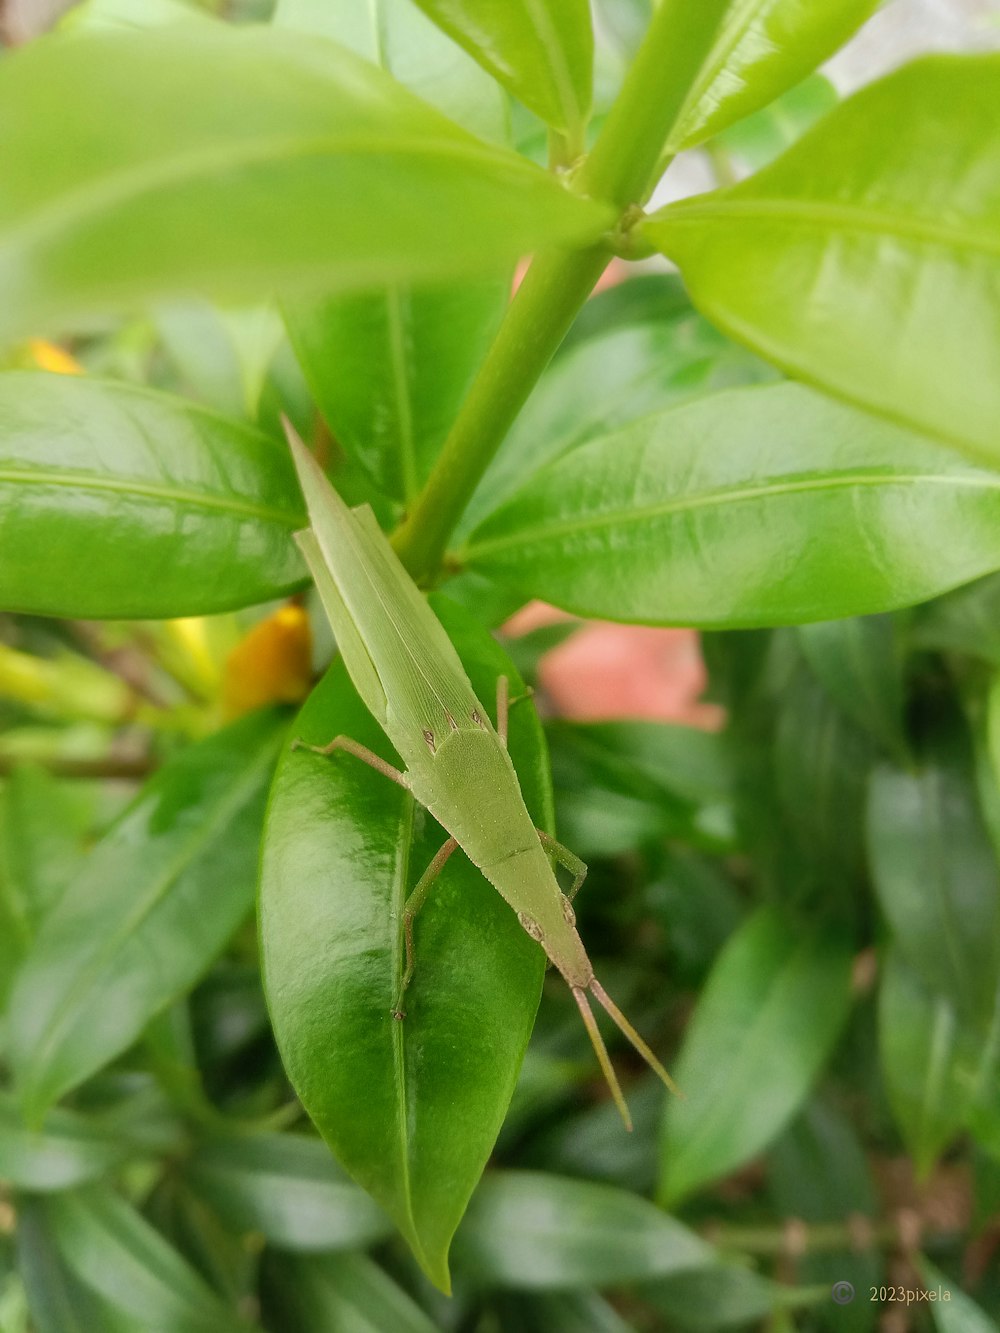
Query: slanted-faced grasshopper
x=411, y=679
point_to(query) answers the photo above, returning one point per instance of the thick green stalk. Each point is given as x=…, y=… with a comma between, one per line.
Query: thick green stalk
x=621, y=169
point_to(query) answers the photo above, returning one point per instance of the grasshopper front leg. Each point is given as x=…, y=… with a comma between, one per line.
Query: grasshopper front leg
x=567, y=859
x=411, y=907
x=505, y=703
x=360, y=752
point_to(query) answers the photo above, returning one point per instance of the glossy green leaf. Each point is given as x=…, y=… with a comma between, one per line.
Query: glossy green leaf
x=859, y=662
x=958, y=1314
x=760, y=506
x=287, y=1188
x=762, y=1030
x=636, y=349
x=532, y=1230
x=69, y=1149
x=40, y=845
x=936, y=1065
x=152, y=906
x=101, y=480
x=410, y=1108
x=390, y=368
x=762, y=48
x=540, y=50
x=331, y=176
x=342, y=1293
x=865, y=259
x=935, y=873
x=115, y=1252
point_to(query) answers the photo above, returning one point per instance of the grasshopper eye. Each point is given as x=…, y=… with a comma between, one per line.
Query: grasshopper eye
x=429, y=738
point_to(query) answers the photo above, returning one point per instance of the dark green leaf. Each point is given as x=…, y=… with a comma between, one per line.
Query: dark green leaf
x=67, y=1150
x=935, y=873
x=342, y=1293
x=541, y=50
x=860, y=664
x=721, y=1298
x=864, y=260
x=959, y=1313
x=99, y=481
x=636, y=349
x=757, y=506
x=120, y=1257
x=332, y=175
x=527, y=1229
x=410, y=1108
x=764, y=1026
x=154, y=903
x=289, y=1189
x=562, y=1312
x=761, y=48
x=937, y=1066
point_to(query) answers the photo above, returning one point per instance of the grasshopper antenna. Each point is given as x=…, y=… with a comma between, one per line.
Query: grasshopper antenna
x=628, y=1031
x=601, y=1051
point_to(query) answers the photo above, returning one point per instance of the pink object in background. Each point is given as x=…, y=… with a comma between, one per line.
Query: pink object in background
x=606, y=671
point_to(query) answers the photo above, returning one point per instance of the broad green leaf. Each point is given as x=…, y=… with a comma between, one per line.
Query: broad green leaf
x=636, y=349
x=935, y=872
x=69, y=1149
x=152, y=906
x=118, y=501
x=762, y=1030
x=533, y=1230
x=859, y=662
x=115, y=1252
x=762, y=48
x=959, y=1313
x=331, y=176
x=866, y=259
x=342, y=1293
x=58, y=1301
x=40, y=845
x=389, y=368
x=540, y=50
x=410, y=1108
x=287, y=1188
x=936, y=1065
x=760, y=506
x=760, y=138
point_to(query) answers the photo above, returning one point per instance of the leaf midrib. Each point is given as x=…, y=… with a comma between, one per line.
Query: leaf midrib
x=833, y=217
x=550, y=531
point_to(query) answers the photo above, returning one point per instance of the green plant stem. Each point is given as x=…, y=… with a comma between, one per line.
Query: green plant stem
x=622, y=169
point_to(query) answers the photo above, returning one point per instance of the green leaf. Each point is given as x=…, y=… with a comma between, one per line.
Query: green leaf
x=99, y=481
x=864, y=260
x=154, y=903
x=342, y=1292
x=287, y=1188
x=760, y=506
x=120, y=1257
x=965, y=621
x=40, y=845
x=959, y=1313
x=579, y=1311
x=762, y=48
x=95, y=14
x=540, y=50
x=762, y=1030
x=935, y=872
x=58, y=1302
x=937, y=1066
x=390, y=368
x=331, y=176
x=68, y=1150
x=721, y=1298
x=860, y=665
x=636, y=349
x=410, y=1108
x=532, y=1230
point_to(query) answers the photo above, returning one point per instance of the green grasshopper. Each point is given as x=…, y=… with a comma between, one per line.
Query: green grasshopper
x=409, y=676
